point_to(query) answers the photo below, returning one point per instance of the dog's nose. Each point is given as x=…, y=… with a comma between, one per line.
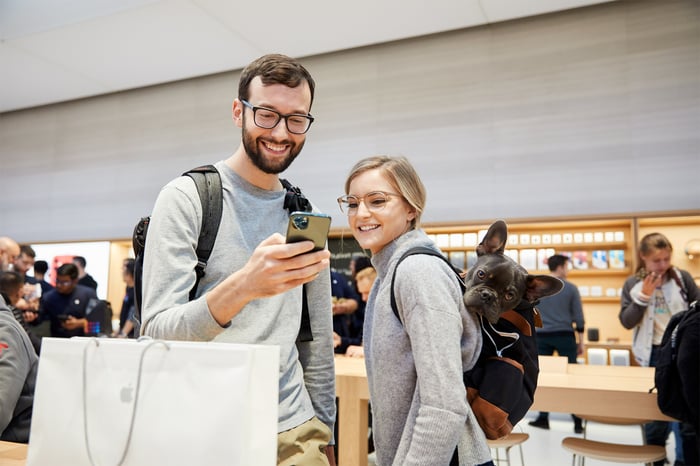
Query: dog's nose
x=486, y=296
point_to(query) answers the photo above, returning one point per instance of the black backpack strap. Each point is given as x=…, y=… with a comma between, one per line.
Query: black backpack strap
x=420, y=250
x=295, y=201
x=208, y=182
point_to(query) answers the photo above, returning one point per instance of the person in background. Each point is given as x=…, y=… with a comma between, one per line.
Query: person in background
x=252, y=290
x=357, y=264
x=562, y=327
x=41, y=268
x=126, y=316
x=345, y=303
x=65, y=306
x=657, y=291
x=25, y=260
x=18, y=365
x=9, y=250
x=84, y=278
x=364, y=279
x=414, y=365
x=29, y=302
x=11, y=288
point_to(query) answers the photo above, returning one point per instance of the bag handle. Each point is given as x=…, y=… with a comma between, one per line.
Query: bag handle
x=136, y=396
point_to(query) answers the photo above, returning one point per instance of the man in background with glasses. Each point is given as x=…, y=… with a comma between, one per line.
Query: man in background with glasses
x=66, y=304
x=251, y=292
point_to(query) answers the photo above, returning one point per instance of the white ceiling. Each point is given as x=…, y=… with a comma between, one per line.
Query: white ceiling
x=57, y=50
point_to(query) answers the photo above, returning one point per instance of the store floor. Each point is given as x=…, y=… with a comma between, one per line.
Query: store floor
x=543, y=448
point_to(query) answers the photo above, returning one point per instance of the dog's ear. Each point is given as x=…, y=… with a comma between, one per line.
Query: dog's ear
x=495, y=240
x=539, y=286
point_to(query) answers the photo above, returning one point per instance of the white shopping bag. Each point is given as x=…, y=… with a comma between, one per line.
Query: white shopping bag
x=154, y=403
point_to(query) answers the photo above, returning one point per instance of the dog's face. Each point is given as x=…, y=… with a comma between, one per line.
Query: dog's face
x=496, y=283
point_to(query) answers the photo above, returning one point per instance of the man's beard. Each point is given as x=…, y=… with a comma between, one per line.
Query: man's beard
x=251, y=148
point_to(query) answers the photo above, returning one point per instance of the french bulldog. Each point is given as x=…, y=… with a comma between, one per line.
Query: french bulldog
x=496, y=283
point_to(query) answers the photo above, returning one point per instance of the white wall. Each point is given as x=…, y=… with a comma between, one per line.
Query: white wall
x=585, y=112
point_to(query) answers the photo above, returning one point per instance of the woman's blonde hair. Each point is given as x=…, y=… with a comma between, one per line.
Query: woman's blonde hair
x=401, y=175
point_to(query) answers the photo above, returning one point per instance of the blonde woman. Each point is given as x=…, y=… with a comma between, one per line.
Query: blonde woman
x=414, y=366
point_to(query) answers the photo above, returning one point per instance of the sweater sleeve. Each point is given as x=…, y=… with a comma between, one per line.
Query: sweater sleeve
x=169, y=268
x=429, y=302
x=14, y=367
x=316, y=356
x=632, y=310
x=577, y=309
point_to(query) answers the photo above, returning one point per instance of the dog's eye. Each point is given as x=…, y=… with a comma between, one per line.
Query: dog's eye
x=509, y=296
x=480, y=274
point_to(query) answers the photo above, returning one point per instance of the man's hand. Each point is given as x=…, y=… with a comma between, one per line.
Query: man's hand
x=72, y=323
x=274, y=268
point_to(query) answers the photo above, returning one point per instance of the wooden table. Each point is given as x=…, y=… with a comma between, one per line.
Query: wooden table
x=616, y=391
x=353, y=395
x=13, y=454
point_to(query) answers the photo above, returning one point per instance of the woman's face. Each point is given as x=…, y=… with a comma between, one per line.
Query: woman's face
x=657, y=261
x=375, y=229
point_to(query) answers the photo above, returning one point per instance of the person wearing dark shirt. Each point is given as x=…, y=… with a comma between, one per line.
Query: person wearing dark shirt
x=345, y=302
x=126, y=316
x=65, y=306
x=84, y=278
x=11, y=285
x=40, y=270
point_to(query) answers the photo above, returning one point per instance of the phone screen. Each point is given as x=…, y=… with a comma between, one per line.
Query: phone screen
x=309, y=226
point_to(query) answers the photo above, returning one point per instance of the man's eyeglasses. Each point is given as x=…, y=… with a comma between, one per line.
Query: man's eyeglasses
x=374, y=201
x=64, y=282
x=267, y=118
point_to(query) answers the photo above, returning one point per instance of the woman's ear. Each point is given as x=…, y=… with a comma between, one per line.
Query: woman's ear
x=411, y=215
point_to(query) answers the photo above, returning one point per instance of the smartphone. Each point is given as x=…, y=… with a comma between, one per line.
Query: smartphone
x=309, y=226
x=62, y=316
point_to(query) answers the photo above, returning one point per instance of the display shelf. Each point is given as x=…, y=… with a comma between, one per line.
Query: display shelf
x=458, y=241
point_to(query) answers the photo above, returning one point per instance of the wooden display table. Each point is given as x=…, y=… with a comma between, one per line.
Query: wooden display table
x=614, y=391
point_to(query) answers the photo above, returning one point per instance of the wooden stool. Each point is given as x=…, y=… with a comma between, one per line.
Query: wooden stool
x=616, y=421
x=508, y=442
x=615, y=452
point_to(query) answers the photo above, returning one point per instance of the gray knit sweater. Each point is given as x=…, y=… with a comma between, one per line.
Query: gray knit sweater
x=419, y=406
x=250, y=214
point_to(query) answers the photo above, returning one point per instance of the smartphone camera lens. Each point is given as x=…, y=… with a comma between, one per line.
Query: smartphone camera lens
x=301, y=223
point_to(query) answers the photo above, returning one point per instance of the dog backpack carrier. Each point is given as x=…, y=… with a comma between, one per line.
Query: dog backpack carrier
x=208, y=182
x=500, y=388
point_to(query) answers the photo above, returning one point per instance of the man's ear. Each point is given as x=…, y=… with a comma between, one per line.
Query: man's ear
x=237, y=112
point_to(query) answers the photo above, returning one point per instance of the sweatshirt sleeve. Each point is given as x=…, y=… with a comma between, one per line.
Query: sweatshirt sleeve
x=429, y=302
x=169, y=268
x=14, y=367
x=317, y=356
x=631, y=309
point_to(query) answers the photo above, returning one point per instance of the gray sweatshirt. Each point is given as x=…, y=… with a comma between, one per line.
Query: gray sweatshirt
x=250, y=214
x=18, y=368
x=419, y=406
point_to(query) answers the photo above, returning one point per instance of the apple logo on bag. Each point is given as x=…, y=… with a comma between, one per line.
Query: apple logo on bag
x=126, y=394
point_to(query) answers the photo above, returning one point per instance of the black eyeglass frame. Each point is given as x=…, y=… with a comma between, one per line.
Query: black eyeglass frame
x=280, y=116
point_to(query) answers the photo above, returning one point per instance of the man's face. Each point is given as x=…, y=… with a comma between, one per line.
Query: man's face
x=8, y=255
x=272, y=150
x=65, y=284
x=23, y=263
